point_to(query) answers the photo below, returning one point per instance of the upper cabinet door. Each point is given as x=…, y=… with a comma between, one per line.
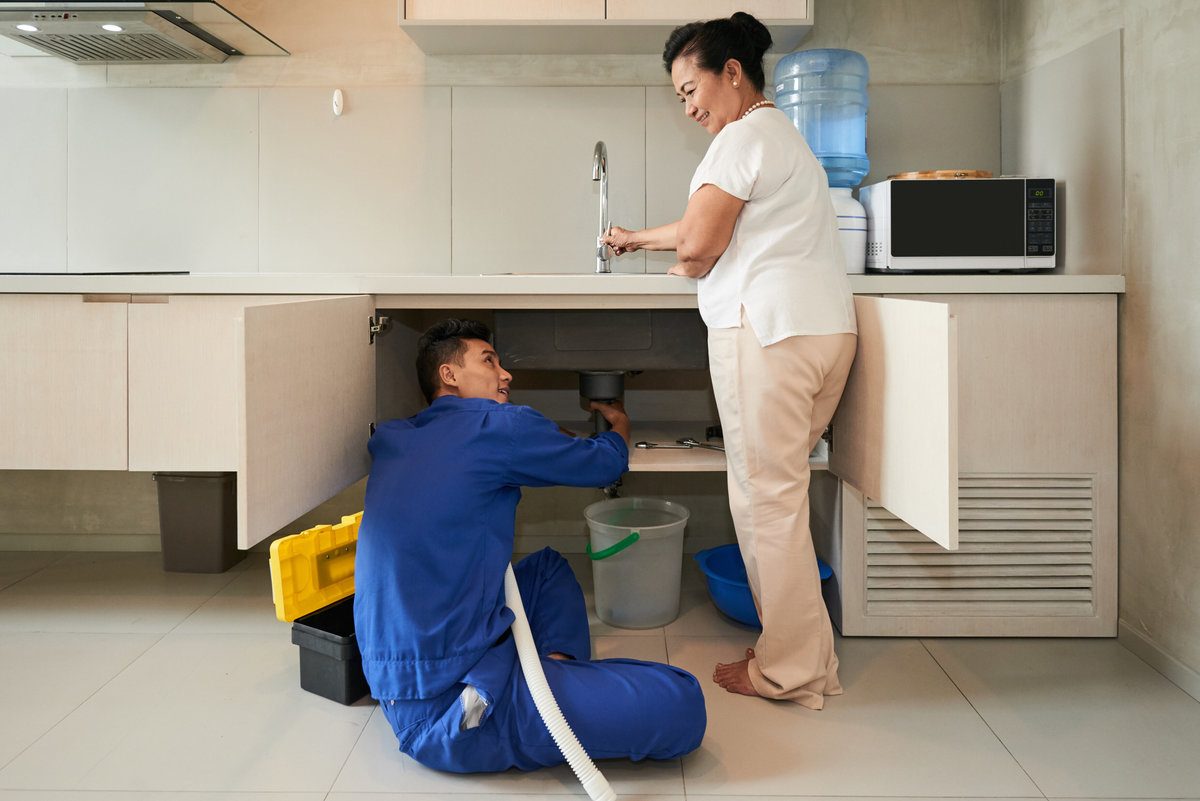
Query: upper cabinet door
x=895, y=434
x=688, y=10
x=306, y=399
x=582, y=27
x=508, y=10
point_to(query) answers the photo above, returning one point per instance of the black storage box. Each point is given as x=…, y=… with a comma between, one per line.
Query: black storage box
x=197, y=521
x=330, y=664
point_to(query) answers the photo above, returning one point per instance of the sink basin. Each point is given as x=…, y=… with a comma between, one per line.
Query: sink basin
x=601, y=339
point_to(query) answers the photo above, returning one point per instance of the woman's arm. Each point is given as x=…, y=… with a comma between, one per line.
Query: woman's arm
x=622, y=240
x=705, y=230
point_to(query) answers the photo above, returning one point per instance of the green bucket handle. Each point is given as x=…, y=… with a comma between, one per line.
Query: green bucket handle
x=613, y=550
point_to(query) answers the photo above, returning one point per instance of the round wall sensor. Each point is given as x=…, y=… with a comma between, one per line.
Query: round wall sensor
x=338, y=102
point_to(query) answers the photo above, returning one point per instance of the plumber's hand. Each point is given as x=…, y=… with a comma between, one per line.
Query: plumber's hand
x=614, y=413
x=620, y=240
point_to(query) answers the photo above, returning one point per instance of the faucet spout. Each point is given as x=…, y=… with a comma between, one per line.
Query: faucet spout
x=600, y=173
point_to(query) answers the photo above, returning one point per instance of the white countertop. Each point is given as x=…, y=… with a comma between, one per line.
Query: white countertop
x=590, y=289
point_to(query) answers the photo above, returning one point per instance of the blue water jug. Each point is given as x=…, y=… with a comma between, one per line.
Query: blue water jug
x=825, y=94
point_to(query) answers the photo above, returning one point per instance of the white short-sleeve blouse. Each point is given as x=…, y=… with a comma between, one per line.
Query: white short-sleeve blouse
x=784, y=263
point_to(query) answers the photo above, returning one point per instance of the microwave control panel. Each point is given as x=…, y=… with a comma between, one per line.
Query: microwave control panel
x=1039, y=213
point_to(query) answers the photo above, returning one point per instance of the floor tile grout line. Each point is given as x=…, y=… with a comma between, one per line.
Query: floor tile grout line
x=667, y=651
x=61, y=556
x=975, y=709
x=234, y=572
x=124, y=668
x=366, y=725
x=90, y=695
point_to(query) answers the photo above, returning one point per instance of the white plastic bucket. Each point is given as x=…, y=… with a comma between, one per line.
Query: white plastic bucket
x=636, y=548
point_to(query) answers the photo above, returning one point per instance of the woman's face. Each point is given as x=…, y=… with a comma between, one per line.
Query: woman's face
x=708, y=98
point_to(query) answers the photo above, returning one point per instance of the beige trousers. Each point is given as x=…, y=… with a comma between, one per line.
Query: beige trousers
x=774, y=403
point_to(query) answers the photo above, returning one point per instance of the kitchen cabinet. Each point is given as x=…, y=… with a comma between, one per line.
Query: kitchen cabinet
x=62, y=368
x=970, y=491
x=519, y=27
x=505, y=10
x=1036, y=488
x=688, y=10
x=280, y=390
x=299, y=443
x=895, y=433
x=306, y=403
x=183, y=409
x=894, y=436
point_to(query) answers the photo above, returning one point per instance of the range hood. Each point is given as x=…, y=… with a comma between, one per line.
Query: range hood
x=107, y=32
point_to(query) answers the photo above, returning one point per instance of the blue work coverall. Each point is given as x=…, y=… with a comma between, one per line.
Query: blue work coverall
x=435, y=540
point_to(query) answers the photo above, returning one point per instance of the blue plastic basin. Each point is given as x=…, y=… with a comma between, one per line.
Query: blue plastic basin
x=725, y=574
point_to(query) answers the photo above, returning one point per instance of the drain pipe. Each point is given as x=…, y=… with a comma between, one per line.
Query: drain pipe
x=593, y=781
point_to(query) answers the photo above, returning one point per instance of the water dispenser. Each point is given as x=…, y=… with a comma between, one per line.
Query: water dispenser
x=824, y=92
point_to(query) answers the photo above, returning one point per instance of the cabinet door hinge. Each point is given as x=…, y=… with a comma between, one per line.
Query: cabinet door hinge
x=378, y=325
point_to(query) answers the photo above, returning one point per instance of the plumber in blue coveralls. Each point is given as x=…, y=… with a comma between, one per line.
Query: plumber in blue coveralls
x=435, y=541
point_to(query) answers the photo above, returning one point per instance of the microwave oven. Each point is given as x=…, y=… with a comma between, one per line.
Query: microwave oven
x=963, y=225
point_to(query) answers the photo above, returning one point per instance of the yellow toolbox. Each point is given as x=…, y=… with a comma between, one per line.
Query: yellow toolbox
x=312, y=585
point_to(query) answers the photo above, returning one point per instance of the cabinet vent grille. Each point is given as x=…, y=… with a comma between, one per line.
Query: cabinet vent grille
x=1025, y=549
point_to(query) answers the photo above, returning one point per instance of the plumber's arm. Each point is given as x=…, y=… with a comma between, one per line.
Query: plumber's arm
x=705, y=230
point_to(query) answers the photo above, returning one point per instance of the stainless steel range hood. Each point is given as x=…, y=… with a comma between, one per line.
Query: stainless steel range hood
x=107, y=32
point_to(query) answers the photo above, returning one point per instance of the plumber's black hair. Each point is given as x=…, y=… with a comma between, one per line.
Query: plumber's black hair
x=442, y=343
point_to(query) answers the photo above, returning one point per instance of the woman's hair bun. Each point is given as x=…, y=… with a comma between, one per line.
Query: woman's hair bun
x=755, y=30
x=716, y=41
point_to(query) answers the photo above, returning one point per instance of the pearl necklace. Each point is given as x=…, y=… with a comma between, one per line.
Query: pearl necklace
x=759, y=104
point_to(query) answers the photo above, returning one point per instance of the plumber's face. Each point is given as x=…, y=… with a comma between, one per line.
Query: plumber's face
x=708, y=98
x=479, y=376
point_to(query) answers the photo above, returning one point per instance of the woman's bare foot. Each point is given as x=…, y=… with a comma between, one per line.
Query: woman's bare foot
x=735, y=676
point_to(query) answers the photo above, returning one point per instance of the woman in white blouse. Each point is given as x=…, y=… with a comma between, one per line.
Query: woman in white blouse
x=760, y=235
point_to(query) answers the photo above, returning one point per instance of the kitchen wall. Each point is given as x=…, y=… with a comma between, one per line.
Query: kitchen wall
x=1160, y=312
x=117, y=171
x=441, y=164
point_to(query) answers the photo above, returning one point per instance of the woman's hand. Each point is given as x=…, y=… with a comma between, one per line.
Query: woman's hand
x=621, y=240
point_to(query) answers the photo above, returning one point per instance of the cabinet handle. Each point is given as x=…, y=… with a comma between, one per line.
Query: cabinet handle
x=106, y=298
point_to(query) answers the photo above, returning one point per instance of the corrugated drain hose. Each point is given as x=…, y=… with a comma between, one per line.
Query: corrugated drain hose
x=590, y=777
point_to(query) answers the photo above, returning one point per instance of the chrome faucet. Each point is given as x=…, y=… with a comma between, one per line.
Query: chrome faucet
x=600, y=173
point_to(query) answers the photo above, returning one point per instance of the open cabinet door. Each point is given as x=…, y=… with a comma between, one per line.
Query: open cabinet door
x=895, y=434
x=306, y=399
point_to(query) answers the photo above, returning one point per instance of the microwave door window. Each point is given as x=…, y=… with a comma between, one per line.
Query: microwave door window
x=958, y=218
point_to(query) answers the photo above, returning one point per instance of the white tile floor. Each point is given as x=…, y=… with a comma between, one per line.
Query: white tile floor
x=119, y=681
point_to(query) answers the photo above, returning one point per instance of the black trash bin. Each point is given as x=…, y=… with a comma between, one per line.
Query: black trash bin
x=197, y=519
